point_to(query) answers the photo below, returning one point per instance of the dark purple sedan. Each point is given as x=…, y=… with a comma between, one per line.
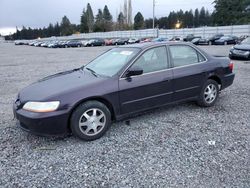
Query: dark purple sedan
x=122, y=82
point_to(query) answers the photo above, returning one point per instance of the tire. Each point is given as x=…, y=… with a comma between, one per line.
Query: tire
x=78, y=45
x=208, y=100
x=86, y=125
x=92, y=45
x=225, y=43
x=210, y=43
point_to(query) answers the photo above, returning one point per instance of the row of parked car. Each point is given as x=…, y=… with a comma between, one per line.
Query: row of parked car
x=218, y=39
x=78, y=43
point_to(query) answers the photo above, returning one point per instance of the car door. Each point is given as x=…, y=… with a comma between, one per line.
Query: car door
x=188, y=71
x=152, y=88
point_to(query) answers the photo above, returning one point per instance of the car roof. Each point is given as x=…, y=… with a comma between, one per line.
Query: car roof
x=152, y=44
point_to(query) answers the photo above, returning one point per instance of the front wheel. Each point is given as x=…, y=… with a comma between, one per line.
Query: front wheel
x=90, y=120
x=209, y=94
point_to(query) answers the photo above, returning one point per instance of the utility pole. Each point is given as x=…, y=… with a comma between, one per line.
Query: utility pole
x=153, y=14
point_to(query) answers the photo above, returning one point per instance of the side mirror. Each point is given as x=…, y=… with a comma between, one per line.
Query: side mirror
x=134, y=71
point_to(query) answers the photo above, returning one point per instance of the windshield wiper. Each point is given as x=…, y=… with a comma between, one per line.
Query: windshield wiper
x=92, y=71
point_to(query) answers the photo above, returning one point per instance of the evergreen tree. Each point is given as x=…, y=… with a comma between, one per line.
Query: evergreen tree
x=84, y=24
x=202, y=17
x=138, y=21
x=90, y=18
x=191, y=18
x=50, y=30
x=98, y=27
x=229, y=12
x=180, y=15
x=208, y=18
x=107, y=17
x=173, y=18
x=162, y=22
x=57, y=29
x=186, y=20
x=196, y=18
x=66, y=28
x=121, y=21
x=148, y=23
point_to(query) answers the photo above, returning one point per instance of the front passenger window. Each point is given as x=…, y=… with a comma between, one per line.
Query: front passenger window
x=153, y=60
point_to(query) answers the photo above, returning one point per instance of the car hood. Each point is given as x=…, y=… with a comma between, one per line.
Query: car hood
x=55, y=85
x=242, y=47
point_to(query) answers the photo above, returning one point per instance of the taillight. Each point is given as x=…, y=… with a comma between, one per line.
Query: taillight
x=231, y=66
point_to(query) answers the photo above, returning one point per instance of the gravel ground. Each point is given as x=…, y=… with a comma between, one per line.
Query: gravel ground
x=176, y=146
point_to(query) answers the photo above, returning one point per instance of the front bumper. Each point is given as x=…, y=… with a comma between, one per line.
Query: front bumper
x=52, y=123
x=227, y=80
x=239, y=54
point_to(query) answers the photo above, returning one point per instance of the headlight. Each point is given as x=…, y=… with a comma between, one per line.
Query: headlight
x=41, y=106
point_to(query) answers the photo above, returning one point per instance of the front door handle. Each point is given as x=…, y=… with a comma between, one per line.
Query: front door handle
x=166, y=80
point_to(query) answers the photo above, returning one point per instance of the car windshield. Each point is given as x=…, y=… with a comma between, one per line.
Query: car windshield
x=111, y=62
x=246, y=41
x=225, y=38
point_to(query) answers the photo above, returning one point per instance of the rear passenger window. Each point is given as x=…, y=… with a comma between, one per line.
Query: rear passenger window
x=185, y=55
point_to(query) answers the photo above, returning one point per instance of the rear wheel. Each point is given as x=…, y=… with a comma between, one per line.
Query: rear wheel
x=209, y=94
x=90, y=120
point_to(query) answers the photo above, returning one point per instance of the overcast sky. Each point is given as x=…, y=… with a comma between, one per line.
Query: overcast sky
x=39, y=13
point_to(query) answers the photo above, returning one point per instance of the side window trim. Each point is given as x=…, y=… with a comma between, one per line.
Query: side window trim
x=141, y=54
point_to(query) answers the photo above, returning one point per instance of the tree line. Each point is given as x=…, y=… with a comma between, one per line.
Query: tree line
x=227, y=12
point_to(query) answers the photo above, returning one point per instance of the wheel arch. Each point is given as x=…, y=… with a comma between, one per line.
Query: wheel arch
x=215, y=78
x=97, y=98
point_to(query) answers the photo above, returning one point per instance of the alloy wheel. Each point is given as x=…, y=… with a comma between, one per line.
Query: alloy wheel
x=92, y=122
x=210, y=93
